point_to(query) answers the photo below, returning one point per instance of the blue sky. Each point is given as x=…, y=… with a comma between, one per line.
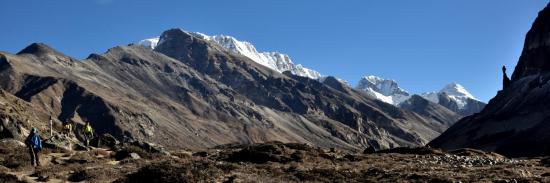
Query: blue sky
x=422, y=44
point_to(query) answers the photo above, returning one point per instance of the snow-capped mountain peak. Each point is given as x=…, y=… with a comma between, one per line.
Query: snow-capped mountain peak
x=384, y=86
x=386, y=90
x=455, y=89
x=454, y=96
x=274, y=60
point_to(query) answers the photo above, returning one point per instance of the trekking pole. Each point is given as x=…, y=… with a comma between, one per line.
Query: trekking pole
x=51, y=126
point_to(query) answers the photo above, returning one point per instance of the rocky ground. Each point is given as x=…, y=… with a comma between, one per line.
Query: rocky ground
x=270, y=162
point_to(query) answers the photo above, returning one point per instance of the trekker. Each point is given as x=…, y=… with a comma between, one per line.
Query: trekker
x=88, y=133
x=34, y=143
x=68, y=128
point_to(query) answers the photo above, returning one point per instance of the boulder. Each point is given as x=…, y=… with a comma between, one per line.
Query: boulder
x=62, y=142
x=150, y=147
x=134, y=156
x=106, y=141
x=131, y=152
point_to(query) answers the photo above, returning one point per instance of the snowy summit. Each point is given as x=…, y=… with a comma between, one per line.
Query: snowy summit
x=383, y=89
x=454, y=91
x=273, y=60
x=388, y=90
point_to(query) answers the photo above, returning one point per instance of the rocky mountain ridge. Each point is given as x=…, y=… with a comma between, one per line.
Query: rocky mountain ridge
x=274, y=60
x=515, y=122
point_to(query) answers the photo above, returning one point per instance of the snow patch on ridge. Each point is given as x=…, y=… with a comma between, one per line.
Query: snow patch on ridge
x=150, y=43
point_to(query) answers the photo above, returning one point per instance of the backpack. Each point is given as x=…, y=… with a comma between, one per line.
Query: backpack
x=88, y=129
x=35, y=142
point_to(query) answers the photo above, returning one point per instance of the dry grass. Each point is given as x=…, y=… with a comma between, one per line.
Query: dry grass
x=15, y=157
x=175, y=171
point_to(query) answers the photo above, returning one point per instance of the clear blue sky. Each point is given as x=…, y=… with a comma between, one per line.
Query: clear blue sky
x=422, y=44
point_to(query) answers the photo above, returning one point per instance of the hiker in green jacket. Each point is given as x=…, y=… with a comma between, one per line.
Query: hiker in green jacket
x=88, y=133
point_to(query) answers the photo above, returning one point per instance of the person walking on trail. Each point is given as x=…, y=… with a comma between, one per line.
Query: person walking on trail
x=88, y=133
x=34, y=143
x=68, y=128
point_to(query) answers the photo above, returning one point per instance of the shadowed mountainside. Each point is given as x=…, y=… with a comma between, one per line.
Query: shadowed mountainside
x=515, y=122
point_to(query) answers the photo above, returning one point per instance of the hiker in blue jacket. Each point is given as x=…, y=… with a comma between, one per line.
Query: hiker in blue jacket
x=35, y=146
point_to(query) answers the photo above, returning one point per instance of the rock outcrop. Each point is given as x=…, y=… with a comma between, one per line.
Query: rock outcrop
x=515, y=122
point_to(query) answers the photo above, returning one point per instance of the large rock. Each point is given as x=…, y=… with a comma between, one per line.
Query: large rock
x=62, y=142
x=106, y=141
x=150, y=147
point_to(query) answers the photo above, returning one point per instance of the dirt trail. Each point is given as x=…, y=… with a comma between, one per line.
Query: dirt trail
x=45, y=160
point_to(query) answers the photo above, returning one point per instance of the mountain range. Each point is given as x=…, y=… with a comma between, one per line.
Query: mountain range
x=453, y=96
x=194, y=91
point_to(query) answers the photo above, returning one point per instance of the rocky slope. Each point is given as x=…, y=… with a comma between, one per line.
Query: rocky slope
x=425, y=107
x=515, y=122
x=17, y=116
x=190, y=92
